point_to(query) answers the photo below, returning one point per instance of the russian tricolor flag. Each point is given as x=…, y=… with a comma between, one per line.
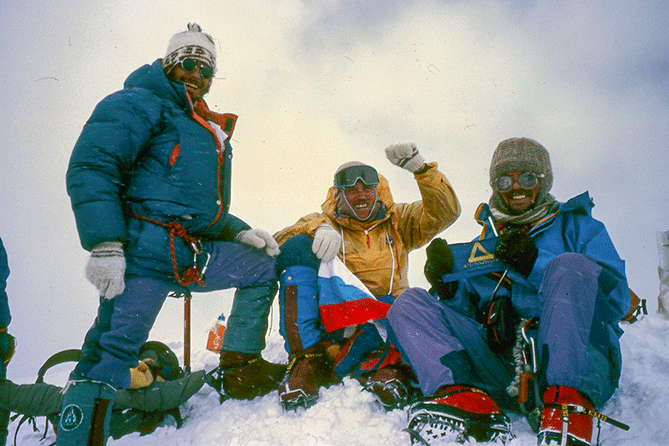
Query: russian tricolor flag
x=344, y=300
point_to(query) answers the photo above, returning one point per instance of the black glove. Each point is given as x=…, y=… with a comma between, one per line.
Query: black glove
x=439, y=262
x=517, y=249
x=7, y=346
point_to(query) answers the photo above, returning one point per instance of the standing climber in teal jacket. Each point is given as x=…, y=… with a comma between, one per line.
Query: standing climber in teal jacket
x=149, y=182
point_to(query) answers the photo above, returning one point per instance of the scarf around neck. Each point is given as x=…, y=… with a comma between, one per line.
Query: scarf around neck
x=540, y=209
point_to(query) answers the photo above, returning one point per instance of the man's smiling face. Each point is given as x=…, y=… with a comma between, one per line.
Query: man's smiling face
x=361, y=198
x=518, y=200
x=196, y=85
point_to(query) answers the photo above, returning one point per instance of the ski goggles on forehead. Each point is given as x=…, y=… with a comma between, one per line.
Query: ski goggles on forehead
x=527, y=180
x=351, y=175
x=189, y=65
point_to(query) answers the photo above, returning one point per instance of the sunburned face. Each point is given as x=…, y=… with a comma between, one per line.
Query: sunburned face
x=362, y=199
x=518, y=200
x=195, y=84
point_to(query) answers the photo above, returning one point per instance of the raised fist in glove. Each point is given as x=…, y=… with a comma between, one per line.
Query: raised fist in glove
x=517, y=249
x=439, y=262
x=406, y=156
x=261, y=239
x=106, y=269
x=327, y=242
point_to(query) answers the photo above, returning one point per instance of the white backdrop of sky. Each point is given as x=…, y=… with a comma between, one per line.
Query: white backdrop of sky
x=317, y=84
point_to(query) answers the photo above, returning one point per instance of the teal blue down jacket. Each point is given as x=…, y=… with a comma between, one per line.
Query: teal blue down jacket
x=147, y=151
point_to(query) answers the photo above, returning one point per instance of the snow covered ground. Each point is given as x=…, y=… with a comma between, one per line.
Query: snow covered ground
x=346, y=415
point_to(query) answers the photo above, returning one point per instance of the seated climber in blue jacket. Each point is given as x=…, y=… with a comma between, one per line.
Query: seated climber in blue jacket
x=548, y=319
x=149, y=181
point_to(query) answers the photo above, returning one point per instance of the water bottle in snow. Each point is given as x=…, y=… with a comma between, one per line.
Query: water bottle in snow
x=216, y=335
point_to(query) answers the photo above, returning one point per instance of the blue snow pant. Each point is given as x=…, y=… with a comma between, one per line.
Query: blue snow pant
x=575, y=347
x=123, y=323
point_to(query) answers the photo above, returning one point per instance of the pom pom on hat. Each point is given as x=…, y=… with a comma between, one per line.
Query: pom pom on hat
x=192, y=43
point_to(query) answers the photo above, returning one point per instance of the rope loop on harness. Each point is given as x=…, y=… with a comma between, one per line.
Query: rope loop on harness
x=192, y=274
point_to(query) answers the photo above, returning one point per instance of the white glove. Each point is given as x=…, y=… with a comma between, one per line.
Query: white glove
x=259, y=238
x=106, y=269
x=406, y=156
x=327, y=242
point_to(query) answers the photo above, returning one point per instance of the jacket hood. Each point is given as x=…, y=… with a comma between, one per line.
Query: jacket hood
x=329, y=206
x=152, y=77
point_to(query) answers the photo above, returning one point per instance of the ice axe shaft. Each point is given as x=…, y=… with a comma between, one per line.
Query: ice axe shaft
x=506, y=271
x=187, y=299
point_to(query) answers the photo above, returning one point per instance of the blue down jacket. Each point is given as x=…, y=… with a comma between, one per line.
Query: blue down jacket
x=569, y=229
x=146, y=150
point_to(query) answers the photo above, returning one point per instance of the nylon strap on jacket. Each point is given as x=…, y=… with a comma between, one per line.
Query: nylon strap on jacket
x=176, y=229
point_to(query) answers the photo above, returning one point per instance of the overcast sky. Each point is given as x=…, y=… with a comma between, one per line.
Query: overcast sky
x=316, y=84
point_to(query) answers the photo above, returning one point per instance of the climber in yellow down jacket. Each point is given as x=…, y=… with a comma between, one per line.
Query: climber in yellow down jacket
x=372, y=235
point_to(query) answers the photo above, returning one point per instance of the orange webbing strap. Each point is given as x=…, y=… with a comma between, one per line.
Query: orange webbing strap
x=176, y=229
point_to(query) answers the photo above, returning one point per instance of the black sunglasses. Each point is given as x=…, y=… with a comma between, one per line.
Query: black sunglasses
x=189, y=65
x=349, y=176
x=525, y=180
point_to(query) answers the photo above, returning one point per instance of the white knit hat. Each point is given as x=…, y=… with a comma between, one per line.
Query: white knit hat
x=192, y=43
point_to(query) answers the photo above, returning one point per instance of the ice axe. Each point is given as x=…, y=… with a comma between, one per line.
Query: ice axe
x=187, y=299
x=506, y=271
x=186, y=295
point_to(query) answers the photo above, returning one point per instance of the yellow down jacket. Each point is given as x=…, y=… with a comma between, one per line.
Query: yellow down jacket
x=377, y=252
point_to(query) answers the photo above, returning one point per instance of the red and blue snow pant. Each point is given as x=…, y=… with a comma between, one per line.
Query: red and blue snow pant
x=123, y=323
x=575, y=347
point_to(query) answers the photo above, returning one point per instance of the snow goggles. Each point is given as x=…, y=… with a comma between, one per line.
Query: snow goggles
x=349, y=176
x=527, y=180
x=189, y=65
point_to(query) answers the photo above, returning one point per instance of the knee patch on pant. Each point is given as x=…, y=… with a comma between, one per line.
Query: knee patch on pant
x=296, y=251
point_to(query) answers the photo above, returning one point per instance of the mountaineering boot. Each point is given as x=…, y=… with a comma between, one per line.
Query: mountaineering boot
x=308, y=371
x=246, y=375
x=458, y=413
x=565, y=420
x=86, y=414
x=308, y=368
x=391, y=385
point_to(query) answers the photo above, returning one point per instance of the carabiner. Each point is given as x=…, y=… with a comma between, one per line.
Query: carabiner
x=529, y=340
x=206, y=264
